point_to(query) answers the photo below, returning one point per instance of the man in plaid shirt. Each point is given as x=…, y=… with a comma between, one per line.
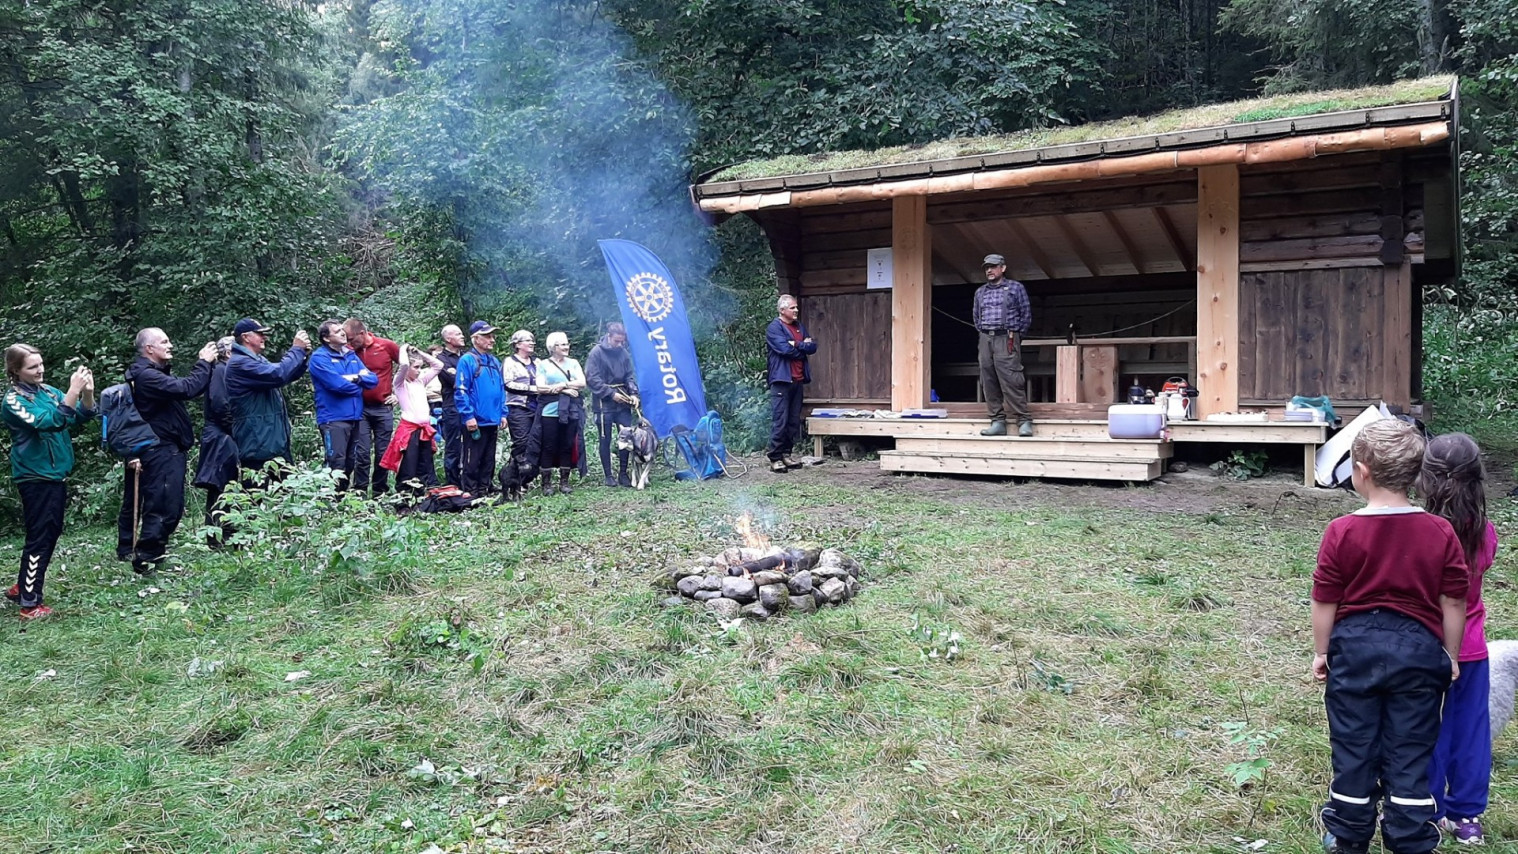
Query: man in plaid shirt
x=1002, y=317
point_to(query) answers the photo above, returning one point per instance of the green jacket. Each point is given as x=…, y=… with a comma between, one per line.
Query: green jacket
x=39, y=421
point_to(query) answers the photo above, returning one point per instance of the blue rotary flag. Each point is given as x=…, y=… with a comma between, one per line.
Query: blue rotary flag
x=658, y=333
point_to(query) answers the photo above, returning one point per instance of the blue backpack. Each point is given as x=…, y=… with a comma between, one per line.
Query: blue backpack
x=123, y=432
x=702, y=448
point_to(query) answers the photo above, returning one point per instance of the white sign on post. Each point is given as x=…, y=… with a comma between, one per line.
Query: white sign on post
x=878, y=265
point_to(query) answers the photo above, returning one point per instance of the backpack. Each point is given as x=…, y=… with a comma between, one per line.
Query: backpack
x=445, y=499
x=123, y=432
x=702, y=448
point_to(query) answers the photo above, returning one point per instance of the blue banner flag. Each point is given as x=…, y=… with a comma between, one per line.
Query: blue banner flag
x=658, y=334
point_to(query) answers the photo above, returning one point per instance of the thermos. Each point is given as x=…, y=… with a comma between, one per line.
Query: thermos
x=1136, y=393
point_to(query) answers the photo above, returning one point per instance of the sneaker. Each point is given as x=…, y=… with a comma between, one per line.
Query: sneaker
x=14, y=593
x=1466, y=831
x=778, y=466
x=1332, y=845
x=41, y=612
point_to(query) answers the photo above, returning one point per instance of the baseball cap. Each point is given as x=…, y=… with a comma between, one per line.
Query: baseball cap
x=993, y=261
x=248, y=324
x=480, y=327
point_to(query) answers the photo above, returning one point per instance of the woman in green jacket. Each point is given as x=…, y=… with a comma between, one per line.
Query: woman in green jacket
x=42, y=455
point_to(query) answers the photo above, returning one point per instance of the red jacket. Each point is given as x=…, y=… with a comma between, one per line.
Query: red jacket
x=381, y=356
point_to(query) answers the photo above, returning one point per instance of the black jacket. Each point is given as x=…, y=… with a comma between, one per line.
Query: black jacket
x=447, y=376
x=608, y=366
x=160, y=398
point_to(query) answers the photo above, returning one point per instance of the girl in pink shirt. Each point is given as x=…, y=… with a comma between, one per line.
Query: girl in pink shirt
x=1453, y=486
x=411, y=447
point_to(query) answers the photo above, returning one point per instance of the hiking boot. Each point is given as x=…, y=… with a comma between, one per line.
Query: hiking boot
x=1466, y=831
x=611, y=481
x=624, y=480
x=791, y=462
x=778, y=466
x=14, y=593
x=1025, y=429
x=547, y=483
x=41, y=612
x=997, y=428
x=144, y=568
x=564, y=486
x=1332, y=845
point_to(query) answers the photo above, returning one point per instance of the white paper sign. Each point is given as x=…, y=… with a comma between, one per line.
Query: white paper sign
x=878, y=264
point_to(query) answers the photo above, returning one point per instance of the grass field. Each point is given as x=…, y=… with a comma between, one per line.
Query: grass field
x=507, y=680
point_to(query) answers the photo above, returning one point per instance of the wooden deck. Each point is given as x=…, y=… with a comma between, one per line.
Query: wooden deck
x=1076, y=448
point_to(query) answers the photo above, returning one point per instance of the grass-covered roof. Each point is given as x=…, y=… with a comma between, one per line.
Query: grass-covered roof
x=1210, y=115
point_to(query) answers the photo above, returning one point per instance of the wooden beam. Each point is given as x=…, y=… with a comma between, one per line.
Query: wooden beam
x=1067, y=374
x=1098, y=374
x=1129, y=246
x=783, y=229
x=1392, y=226
x=1082, y=251
x=1217, y=274
x=911, y=302
x=1177, y=245
x=1397, y=346
x=1035, y=202
x=1040, y=260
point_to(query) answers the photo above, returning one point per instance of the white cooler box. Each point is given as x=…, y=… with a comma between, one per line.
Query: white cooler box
x=1135, y=421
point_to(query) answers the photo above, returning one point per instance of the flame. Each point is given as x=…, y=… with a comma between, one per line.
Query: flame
x=751, y=536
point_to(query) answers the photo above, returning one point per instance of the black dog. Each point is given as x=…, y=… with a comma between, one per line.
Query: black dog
x=514, y=478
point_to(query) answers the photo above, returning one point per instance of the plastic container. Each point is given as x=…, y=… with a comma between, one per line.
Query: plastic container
x=1135, y=421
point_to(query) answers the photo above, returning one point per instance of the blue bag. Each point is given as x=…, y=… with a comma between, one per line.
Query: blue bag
x=702, y=449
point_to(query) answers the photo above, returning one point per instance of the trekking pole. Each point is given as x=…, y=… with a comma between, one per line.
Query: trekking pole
x=136, y=504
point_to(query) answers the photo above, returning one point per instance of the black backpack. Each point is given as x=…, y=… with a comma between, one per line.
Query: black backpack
x=123, y=432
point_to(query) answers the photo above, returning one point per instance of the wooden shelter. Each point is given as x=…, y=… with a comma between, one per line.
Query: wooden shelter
x=1275, y=249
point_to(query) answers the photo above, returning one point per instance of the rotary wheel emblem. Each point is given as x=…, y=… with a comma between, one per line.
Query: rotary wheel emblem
x=650, y=296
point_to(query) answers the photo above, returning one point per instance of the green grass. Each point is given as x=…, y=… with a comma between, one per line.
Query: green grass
x=1210, y=115
x=509, y=681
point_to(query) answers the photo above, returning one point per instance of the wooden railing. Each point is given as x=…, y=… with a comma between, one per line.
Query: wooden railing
x=1089, y=371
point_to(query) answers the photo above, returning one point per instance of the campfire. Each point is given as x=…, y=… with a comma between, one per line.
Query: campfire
x=759, y=580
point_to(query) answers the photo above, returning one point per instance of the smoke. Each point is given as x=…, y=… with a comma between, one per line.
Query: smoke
x=511, y=136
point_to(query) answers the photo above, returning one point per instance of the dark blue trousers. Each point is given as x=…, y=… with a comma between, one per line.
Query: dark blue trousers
x=452, y=430
x=785, y=418
x=1461, y=769
x=1387, y=674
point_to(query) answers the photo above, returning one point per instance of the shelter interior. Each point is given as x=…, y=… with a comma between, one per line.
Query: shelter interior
x=1332, y=255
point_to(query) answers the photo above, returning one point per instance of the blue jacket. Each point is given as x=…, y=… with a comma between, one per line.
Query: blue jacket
x=479, y=388
x=338, y=399
x=260, y=423
x=784, y=351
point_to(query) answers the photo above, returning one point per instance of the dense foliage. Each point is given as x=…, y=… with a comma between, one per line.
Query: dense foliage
x=186, y=162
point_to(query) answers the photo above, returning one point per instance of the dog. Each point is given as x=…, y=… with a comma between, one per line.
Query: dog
x=514, y=478
x=1502, y=665
x=641, y=444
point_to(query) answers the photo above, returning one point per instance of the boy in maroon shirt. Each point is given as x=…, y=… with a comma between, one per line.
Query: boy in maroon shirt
x=1388, y=616
x=382, y=356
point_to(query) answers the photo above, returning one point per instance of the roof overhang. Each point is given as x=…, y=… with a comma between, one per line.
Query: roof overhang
x=1401, y=126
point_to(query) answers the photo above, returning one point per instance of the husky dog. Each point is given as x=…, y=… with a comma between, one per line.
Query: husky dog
x=641, y=445
x=1502, y=658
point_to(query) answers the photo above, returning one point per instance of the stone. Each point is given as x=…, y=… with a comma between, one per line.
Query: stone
x=754, y=611
x=803, y=604
x=772, y=596
x=740, y=589
x=819, y=598
x=704, y=595
x=800, y=583
x=769, y=576
x=689, y=585
x=834, y=557
x=727, y=609
x=686, y=571
x=711, y=582
x=673, y=601
x=825, y=572
x=850, y=587
x=833, y=590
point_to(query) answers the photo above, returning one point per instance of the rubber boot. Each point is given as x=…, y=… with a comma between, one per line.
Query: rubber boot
x=622, y=478
x=564, y=486
x=547, y=482
x=997, y=428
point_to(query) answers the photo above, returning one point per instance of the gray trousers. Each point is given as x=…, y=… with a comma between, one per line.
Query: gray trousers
x=373, y=438
x=1001, y=377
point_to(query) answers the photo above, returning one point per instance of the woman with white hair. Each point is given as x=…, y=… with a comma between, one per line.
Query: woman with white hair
x=562, y=413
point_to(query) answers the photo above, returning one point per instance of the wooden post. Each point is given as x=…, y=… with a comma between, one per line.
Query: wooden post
x=911, y=302
x=1397, y=332
x=1067, y=374
x=1217, y=282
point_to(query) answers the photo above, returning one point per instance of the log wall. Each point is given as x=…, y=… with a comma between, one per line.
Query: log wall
x=852, y=366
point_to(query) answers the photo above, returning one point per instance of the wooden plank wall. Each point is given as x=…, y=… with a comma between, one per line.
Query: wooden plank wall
x=853, y=361
x=1326, y=299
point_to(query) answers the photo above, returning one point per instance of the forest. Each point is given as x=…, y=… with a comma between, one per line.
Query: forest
x=183, y=163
